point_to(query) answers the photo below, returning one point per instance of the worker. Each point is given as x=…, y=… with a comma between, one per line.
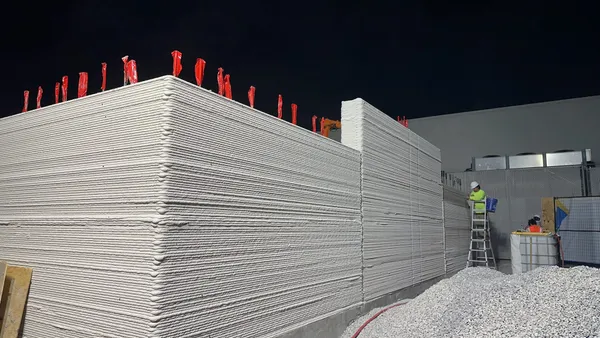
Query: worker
x=477, y=195
x=533, y=224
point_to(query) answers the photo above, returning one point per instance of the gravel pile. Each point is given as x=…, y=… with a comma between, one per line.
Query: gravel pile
x=480, y=302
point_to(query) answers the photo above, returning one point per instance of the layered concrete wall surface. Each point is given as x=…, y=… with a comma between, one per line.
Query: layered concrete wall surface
x=161, y=209
x=457, y=229
x=403, y=241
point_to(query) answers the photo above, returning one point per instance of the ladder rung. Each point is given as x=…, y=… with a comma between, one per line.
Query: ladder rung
x=480, y=233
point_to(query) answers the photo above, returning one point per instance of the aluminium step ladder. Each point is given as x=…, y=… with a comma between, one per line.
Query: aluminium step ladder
x=480, y=249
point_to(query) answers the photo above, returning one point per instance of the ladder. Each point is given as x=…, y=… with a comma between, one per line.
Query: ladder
x=480, y=249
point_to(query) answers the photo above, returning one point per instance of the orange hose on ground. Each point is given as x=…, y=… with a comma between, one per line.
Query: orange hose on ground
x=372, y=318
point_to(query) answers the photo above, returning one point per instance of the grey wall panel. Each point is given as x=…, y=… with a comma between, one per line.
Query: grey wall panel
x=595, y=181
x=519, y=194
x=565, y=181
x=508, y=131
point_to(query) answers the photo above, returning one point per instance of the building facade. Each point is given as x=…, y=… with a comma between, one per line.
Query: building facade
x=536, y=128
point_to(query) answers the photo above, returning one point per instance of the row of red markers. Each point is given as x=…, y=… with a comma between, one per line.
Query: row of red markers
x=130, y=76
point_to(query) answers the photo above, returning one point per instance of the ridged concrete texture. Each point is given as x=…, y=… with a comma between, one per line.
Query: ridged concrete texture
x=163, y=210
x=457, y=229
x=401, y=200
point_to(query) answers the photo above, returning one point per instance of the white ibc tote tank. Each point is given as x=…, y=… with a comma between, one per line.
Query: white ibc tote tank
x=530, y=250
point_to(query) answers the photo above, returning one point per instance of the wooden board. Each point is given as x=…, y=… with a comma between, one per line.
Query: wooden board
x=548, y=223
x=3, y=267
x=14, y=298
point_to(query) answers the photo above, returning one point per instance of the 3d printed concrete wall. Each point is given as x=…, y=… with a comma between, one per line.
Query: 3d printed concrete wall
x=163, y=210
x=457, y=229
x=403, y=230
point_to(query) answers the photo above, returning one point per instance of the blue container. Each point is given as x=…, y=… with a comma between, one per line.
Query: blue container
x=490, y=204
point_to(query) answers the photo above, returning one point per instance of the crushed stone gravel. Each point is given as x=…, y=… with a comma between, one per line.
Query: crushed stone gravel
x=480, y=302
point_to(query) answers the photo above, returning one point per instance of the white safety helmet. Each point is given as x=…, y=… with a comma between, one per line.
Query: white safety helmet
x=537, y=218
x=474, y=185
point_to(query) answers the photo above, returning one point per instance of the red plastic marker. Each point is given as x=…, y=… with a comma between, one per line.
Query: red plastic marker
x=125, y=59
x=25, y=100
x=251, y=93
x=280, y=107
x=56, y=92
x=220, y=80
x=132, y=74
x=176, y=62
x=103, y=87
x=314, y=123
x=227, y=81
x=65, y=86
x=39, y=97
x=199, y=71
x=402, y=121
x=83, y=84
x=294, y=113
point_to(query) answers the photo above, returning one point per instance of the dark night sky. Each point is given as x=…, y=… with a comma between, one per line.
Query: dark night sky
x=416, y=59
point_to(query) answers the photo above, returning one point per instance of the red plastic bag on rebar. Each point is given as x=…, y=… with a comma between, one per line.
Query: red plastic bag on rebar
x=65, y=87
x=177, y=67
x=103, y=87
x=220, y=81
x=56, y=92
x=227, y=81
x=251, y=93
x=83, y=84
x=132, y=74
x=125, y=59
x=294, y=113
x=280, y=106
x=25, y=100
x=199, y=71
x=39, y=97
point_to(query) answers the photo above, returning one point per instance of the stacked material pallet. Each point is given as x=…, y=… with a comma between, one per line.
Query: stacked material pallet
x=457, y=229
x=163, y=210
x=401, y=200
